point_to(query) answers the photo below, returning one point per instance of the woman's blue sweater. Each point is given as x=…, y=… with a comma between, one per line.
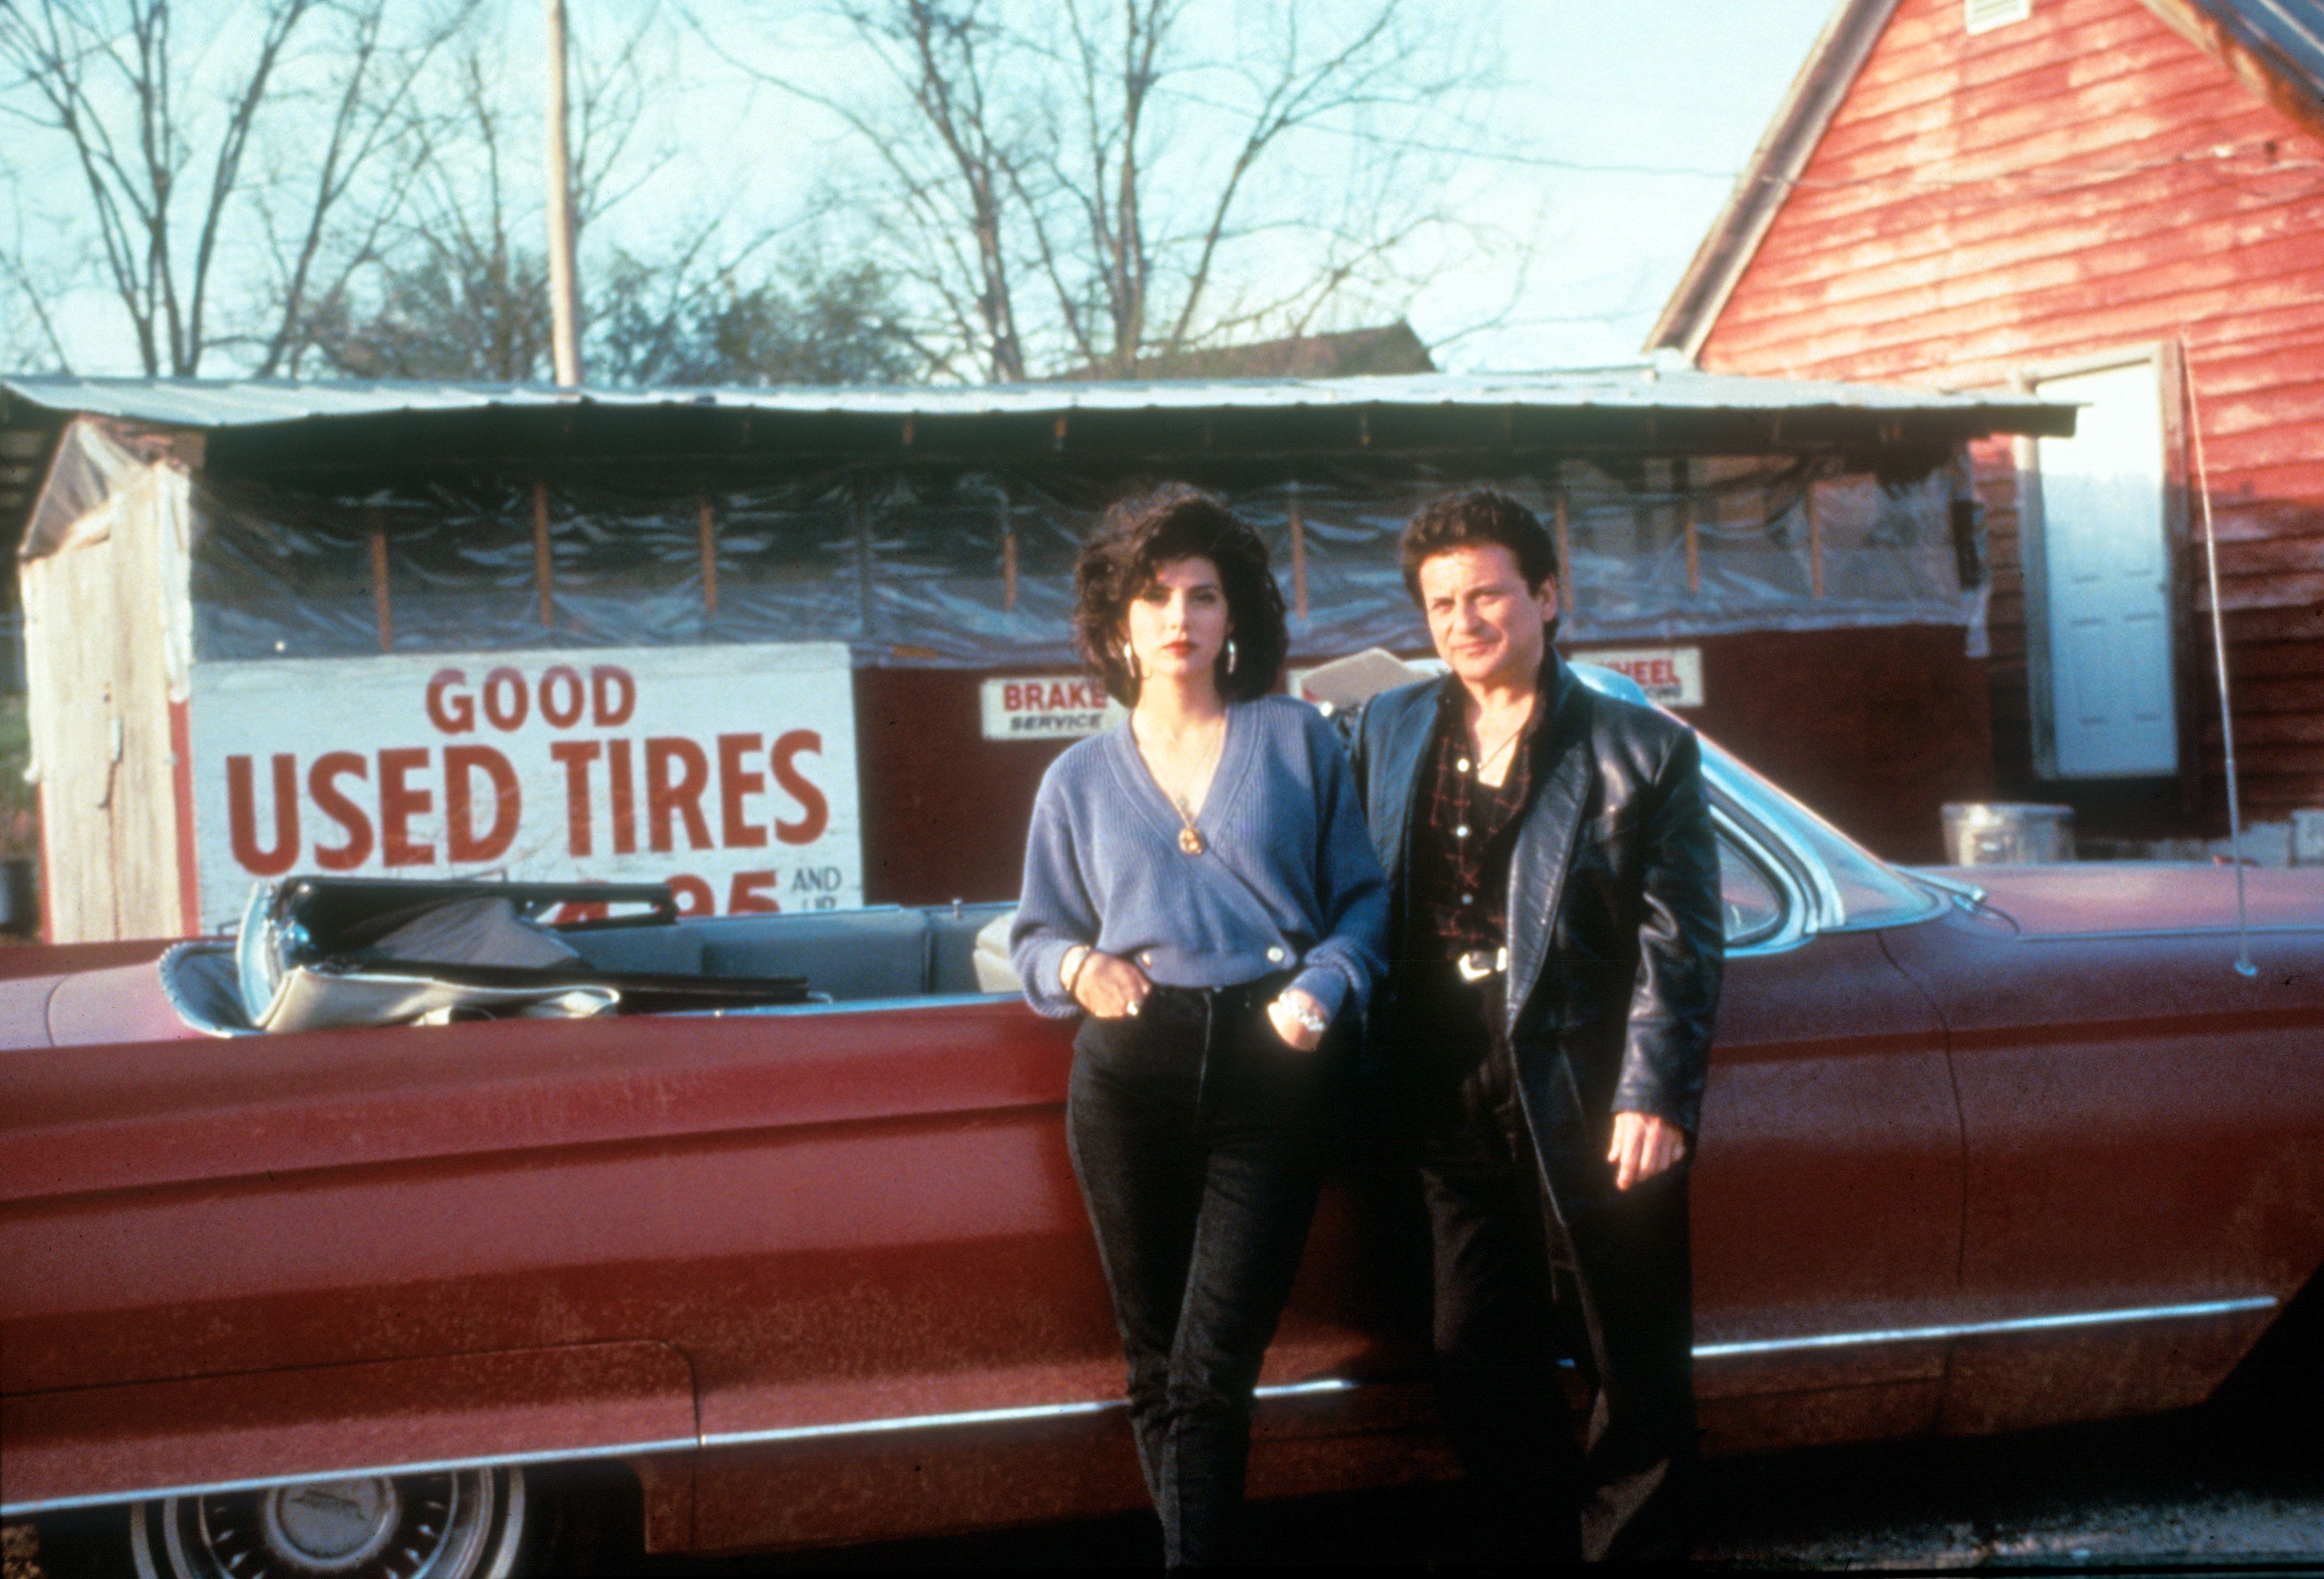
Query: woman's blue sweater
x=1287, y=879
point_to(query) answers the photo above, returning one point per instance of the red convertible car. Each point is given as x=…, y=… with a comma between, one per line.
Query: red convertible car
x=332, y=1248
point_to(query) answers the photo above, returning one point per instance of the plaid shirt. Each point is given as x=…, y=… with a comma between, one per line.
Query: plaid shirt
x=1463, y=831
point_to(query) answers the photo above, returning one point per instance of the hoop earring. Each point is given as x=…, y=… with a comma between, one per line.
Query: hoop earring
x=1230, y=655
x=1129, y=661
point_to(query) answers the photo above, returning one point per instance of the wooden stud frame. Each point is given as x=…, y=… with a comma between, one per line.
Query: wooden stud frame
x=382, y=608
x=540, y=561
x=709, y=524
x=1008, y=556
x=1298, y=556
x=1565, y=552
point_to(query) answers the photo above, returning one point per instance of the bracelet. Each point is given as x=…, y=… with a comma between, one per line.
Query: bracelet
x=1079, y=965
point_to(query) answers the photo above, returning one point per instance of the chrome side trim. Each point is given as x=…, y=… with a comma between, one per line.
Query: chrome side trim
x=636, y=1449
x=424, y=1467
x=848, y=1005
x=2023, y=1323
x=2220, y=929
x=981, y=1417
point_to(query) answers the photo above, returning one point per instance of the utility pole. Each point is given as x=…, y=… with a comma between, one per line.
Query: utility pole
x=564, y=333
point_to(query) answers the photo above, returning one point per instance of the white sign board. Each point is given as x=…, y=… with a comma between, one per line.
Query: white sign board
x=728, y=772
x=1672, y=676
x=1046, y=707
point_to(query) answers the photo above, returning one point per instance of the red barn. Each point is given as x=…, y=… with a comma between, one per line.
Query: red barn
x=2115, y=202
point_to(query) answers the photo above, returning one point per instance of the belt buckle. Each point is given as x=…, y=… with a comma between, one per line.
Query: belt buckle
x=1476, y=965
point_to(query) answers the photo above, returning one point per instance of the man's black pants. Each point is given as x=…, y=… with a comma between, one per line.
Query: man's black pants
x=1198, y=1138
x=1500, y=1288
x=1511, y=1308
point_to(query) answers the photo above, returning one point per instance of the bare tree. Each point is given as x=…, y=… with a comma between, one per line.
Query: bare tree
x=457, y=290
x=166, y=135
x=328, y=228
x=456, y=294
x=19, y=349
x=1068, y=185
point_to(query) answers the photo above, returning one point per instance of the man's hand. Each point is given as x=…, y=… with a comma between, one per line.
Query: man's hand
x=1110, y=987
x=1644, y=1145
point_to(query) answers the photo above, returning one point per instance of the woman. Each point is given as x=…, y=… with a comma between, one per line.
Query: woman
x=1199, y=883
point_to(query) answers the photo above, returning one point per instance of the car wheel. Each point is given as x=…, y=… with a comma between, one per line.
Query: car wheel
x=453, y=1524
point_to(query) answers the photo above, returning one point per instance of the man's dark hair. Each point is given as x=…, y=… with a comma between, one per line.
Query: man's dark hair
x=1139, y=536
x=1478, y=518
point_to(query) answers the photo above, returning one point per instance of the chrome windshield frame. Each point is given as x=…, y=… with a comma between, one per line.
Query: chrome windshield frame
x=1772, y=828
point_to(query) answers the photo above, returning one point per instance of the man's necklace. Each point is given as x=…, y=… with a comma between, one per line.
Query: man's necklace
x=1485, y=759
x=1190, y=838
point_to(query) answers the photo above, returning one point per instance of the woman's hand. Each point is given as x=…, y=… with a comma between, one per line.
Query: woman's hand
x=1109, y=987
x=1298, y=1019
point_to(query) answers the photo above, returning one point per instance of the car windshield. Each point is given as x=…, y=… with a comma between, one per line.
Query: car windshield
x=1857, y=889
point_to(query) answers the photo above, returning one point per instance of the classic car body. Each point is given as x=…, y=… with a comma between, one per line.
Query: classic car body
x=1972, y=1158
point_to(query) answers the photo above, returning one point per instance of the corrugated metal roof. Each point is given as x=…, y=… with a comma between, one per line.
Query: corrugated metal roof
x=233, y=403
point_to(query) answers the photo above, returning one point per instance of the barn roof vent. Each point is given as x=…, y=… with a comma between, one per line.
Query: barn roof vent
x=1984, y=16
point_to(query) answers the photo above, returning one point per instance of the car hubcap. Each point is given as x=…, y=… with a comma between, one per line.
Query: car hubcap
x=328, y=1526
x=462, y=1524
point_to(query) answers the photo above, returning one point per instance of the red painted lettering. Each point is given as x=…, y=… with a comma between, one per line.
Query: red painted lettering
x=242, y=816
x=323, y=789
x=814, y=809
x=576, y=755
x=743, y=897
x=735, y=783
x=460, y=840
x=615, y=693
x=561, y=717
x=398, y=803
x=623, y=793
x=694, y=896
x=506, y=700
x=1012, y=697
x=454, y=714
x=668, y=797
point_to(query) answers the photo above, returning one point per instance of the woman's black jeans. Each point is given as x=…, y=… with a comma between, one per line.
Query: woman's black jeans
x=1199, y=1139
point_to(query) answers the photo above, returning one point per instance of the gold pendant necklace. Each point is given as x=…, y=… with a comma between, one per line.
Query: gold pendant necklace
x=1190, y=837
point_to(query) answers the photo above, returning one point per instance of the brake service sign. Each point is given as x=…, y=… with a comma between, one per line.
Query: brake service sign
x=727, y=772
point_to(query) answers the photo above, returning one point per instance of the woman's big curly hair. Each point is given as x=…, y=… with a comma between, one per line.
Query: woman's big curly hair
x=1135, y=539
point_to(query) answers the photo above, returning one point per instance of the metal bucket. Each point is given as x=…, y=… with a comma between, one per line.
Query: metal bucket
x=1978, y=833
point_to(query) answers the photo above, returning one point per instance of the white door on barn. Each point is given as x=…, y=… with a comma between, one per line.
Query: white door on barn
x=2106, y=566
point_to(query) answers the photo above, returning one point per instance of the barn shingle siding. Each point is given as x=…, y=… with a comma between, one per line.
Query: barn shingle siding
x=1979, y=208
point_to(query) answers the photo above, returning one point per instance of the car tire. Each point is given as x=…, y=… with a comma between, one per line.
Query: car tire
x=447, y=1524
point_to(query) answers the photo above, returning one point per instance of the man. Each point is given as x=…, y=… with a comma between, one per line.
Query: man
x=1542, y=1034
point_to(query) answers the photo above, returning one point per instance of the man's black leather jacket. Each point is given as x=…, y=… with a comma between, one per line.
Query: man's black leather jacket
x=1614, y=926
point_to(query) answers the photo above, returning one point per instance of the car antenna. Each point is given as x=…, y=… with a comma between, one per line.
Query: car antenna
x=2243, y=967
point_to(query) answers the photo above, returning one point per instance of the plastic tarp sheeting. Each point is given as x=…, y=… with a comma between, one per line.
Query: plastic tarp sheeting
x=951, y=566
x=96, y=460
